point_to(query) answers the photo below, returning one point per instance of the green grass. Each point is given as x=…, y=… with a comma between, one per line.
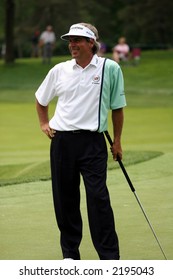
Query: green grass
x=151, y=80
x=28, y=226
x=20, y=81
x=30, y=172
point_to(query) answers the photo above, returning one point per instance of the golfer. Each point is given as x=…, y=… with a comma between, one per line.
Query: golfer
x=87, y=86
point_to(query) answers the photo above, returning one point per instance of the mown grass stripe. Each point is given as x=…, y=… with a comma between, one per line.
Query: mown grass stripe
x=22, y=173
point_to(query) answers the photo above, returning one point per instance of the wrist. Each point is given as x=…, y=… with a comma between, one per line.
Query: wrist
x=117, y=140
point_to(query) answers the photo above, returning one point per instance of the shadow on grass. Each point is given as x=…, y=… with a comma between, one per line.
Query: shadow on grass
x=23, y=173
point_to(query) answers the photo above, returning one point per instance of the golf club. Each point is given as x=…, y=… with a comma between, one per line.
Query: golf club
x=134, y=192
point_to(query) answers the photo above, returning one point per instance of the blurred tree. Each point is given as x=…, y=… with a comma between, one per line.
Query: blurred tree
x=104, y=16
x=9, y=30
x=32, y=15
x=144, y=22
x=148, y=22
x=2, y=18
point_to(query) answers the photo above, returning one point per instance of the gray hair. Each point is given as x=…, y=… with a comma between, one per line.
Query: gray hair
x=96, y=46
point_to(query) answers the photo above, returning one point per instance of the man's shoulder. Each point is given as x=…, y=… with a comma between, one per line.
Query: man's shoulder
x=62, y=65
x=111, y=64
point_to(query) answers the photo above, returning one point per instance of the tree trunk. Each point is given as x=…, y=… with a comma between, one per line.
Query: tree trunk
x=9, y=30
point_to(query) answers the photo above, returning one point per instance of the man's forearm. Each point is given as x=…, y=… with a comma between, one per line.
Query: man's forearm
x=44, y=120
x=117, y=121
x=42, y=113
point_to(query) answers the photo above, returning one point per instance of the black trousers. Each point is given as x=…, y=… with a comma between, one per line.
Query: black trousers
x=85, y=153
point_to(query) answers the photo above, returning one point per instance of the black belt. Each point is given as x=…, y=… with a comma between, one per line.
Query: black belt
x=77, y=131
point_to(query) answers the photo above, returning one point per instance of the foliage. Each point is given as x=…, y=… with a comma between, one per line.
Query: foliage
x=9, y=31
x=147, y=23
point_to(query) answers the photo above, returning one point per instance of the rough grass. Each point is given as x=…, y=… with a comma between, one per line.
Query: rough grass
x=31, y=172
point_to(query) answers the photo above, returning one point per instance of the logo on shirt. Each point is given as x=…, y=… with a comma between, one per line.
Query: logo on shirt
x=96, y=80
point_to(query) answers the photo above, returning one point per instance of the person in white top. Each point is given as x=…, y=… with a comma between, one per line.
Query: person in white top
x=87, y=87
x=47, y=42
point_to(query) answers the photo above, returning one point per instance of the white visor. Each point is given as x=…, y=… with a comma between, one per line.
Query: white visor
x=79, y=30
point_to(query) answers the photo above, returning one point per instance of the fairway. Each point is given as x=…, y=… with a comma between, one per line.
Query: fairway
x=27, y=223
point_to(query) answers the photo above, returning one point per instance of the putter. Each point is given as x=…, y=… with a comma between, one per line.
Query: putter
x=134, y=192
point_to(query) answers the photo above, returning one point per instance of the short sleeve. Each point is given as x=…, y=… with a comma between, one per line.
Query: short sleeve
x=46, y=91
x=117, y=95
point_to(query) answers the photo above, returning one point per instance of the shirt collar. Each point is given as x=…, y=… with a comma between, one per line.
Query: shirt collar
x=94, y=61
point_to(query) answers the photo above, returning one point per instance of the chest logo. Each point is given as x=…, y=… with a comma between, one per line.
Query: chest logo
x=96, y=79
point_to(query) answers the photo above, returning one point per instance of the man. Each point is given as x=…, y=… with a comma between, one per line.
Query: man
x=87, y=87
x=47, y=42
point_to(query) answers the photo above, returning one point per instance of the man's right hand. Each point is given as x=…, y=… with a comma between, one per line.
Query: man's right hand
x=48, y=131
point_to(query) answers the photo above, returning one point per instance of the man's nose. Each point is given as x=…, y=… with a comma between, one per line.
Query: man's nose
x=72, y=42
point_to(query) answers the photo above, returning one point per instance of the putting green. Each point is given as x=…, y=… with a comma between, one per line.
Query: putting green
x=28, y=226
x=24, y=149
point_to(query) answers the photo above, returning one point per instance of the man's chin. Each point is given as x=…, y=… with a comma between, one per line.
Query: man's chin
x=74, y=56
x=74, y=53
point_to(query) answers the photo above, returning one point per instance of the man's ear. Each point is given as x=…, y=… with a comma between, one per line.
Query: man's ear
x=91, y=42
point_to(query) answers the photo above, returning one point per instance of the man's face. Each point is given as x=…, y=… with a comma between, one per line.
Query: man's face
x=79, y=47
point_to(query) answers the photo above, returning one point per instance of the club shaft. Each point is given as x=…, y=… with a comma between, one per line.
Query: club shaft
x=150, y=225
x=134, y=192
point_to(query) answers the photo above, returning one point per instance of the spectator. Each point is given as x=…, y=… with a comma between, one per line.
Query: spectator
x=47, y=42
x=35, y=44
x=3, y=50
x=102, y=49
x=121, y=50
x=136, y=55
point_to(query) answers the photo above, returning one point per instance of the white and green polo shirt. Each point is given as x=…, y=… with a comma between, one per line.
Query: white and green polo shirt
x=85, y=95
